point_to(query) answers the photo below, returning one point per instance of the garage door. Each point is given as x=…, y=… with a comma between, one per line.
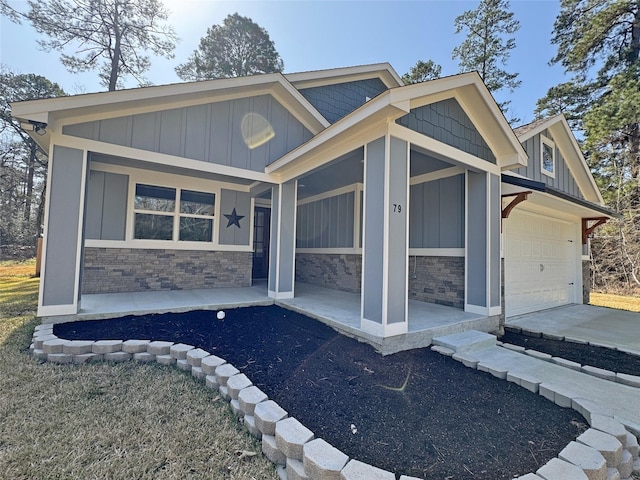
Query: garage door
x=539, y=265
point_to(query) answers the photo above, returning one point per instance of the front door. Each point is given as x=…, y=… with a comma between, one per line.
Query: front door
x=261, y=232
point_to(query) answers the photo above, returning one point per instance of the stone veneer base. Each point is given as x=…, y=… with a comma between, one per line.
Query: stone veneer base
x=431, y=279
x=123, y=270
x=116, y=347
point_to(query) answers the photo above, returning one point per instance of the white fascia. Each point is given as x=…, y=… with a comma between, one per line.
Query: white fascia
x=383, y=71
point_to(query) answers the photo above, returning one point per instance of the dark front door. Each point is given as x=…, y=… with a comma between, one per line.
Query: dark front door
x=261, y=232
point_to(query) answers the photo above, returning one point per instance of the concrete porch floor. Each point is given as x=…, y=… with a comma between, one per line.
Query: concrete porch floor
x=338, y=309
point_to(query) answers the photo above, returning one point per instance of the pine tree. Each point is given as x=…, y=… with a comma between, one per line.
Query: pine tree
x=422, y=72
x=488, y=45
x=599, y=44
x=237, y=48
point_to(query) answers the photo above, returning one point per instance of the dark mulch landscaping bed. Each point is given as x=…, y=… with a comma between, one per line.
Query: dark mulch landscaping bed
x=607, y=358
x=416, y=413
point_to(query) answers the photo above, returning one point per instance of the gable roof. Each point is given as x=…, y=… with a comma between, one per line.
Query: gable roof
x=60, y=111
x=571, y=152
x=467, y=88
x=318, y=78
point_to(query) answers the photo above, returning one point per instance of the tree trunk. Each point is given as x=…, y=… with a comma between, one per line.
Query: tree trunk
x=40, y=219
x=115, y=59
x=31, y=169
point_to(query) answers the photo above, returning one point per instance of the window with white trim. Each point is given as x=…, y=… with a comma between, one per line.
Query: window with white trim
x=165, y=213
x=547, y=156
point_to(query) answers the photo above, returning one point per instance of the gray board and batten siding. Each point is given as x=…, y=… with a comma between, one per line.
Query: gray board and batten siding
x=563, y=180
x=65, y=205
x=447, y=122
x=326, y=223
x=231, y=234
x=338, y=100
x=209, y=133
x=373, y=264
x=106, y=214
x=436, y=213
x=477, y=249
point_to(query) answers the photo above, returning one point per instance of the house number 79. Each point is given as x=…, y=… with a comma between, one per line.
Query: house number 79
x=397, y=208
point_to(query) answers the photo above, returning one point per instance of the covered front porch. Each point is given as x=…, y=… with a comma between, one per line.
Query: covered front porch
x=340, y=310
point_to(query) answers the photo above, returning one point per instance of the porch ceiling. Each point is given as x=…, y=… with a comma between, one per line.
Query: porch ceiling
x=349, y=169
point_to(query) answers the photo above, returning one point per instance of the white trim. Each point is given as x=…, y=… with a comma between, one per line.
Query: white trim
x=407, y=213
x=437, y=175
x=545, y=141
x=476, y=309
x=385, y=230
x=383, y=71
x=437, y=252
x=383, y=330
x=364, y=230
x=493, y=311
x=487, y=233
x=280, y=295
x=357, y=205
x=371, y=327
x=294, y=230
x=575, y=295
x=165, y=245
x=571, y=152
x=45, y=240
x=329, y=194
x=183, y=181
x=55, y=310
x=156, y=98
x=179, y=182
x=466, y=240
x=79, y=242
x=331, y=251
x=442, y=149
x=161, y=158
x=73, y=308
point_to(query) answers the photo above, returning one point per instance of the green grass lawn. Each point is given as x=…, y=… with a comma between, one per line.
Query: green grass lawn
x=115, y=421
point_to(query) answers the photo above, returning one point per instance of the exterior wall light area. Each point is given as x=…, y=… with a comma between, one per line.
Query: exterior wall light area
x=32, y=126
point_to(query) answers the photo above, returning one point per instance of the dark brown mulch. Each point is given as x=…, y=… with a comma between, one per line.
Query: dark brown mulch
x=607, y=358
x=416, y=412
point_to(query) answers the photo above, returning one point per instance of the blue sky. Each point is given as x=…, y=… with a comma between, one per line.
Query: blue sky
x=312, y=35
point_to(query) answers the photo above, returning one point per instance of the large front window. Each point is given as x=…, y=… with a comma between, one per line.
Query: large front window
x=164, y=213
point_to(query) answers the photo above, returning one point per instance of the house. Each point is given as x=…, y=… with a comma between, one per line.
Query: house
x=343, y=178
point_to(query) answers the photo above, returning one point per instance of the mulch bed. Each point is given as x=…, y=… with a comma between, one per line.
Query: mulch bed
x=416, y=412
x=600, y=357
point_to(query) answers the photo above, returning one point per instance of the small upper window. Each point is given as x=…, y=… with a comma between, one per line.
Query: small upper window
x=547, y=156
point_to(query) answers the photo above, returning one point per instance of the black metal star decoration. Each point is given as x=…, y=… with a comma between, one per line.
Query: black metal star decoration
x=234, y=218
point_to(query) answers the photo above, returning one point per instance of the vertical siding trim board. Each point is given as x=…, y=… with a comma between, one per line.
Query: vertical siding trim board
x=73, y=307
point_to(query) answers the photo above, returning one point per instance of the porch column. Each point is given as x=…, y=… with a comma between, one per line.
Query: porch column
x=483, y=244
x=61, y=276
x=384, y=304
x=282, y=253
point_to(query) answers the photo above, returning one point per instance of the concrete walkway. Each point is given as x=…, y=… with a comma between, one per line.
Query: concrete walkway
x=597, y=325
x=561, y=383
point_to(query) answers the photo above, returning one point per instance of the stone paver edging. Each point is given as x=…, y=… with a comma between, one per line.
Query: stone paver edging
x=623, y=378
x=603, y=451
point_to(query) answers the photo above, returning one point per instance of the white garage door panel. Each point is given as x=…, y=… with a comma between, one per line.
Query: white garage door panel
x=539, y=263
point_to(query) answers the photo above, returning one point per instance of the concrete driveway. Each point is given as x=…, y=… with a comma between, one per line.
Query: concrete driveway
x=598, y=325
